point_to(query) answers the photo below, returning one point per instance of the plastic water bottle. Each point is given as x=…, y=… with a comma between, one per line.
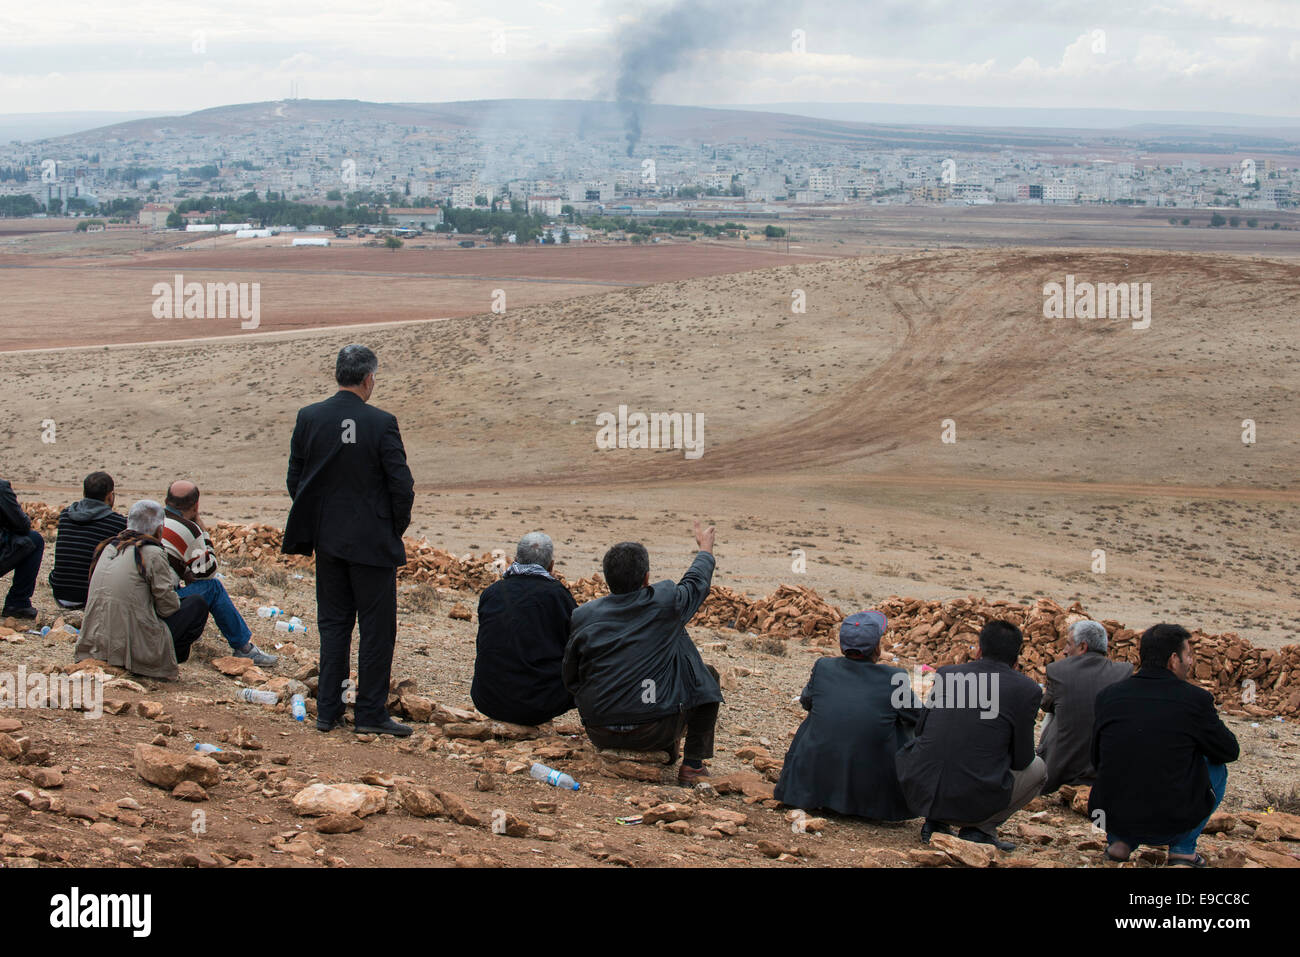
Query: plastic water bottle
x=45, y=630
x=290, y=626
x=253, y=696
x=206, y=748
x=269, y=611
x=540, y=772
x=299, y=705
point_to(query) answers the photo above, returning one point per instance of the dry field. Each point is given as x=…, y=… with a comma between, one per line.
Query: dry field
x=823, y=433
x=59, y=290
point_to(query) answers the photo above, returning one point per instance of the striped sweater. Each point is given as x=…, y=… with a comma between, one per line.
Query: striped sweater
x=82, y=526
x=189, y=549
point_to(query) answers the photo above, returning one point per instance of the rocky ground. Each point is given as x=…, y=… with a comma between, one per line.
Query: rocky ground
x=128, y=789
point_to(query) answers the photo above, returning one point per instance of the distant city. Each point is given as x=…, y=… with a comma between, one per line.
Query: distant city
x=145, y=173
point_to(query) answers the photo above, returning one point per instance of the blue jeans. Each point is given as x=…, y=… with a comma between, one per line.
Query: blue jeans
x=25, y=572
x=224, y=613
x=1183, y=845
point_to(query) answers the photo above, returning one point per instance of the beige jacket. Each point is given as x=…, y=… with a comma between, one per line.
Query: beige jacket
x=123, y=624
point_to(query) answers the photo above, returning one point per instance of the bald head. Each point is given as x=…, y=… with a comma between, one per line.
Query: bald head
x=183, y=495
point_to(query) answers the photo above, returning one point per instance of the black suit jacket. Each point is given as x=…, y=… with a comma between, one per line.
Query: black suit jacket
x=1152, y=737
x=523, y=626
x=14, y=526
x=351, y=499
x=959, y=766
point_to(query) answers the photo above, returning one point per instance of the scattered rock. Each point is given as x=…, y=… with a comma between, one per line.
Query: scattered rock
x=189, y=791
x=419, y=801
x=339, y=824
x=9, y=748
x=667, y=812
x=166, y=769
x=964, y=852
x=324, y=799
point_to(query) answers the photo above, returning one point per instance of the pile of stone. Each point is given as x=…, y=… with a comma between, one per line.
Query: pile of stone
x=1243, y=679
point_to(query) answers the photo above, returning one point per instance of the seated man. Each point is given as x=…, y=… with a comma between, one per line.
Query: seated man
x=1160, y=748
x=523, y=626
x=21, y=549
x=637, y=677
x=860, y=713
x=972, y=764
x=192, y=555
x=134, y=618
x=1072, y=686
x=82, y=526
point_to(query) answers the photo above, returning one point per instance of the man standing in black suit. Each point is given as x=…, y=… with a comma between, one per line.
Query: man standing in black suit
x=352, y=494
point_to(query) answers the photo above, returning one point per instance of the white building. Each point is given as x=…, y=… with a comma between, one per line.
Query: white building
x=545, y=205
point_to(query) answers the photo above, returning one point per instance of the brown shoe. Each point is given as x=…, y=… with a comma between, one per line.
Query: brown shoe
x=688, y=776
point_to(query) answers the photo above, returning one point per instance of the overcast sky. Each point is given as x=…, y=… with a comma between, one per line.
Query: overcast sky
x=1240, y=56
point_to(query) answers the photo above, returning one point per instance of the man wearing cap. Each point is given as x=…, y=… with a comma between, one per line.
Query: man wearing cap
x=972, y=763
x=860, y=713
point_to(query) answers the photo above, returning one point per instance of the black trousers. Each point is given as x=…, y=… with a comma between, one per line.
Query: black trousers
x=187, y=625
x=348, y=594
x=664, y=734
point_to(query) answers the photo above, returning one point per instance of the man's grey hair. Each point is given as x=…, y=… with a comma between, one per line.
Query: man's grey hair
x=1090, y=633
x=535, y=548
x=145, y=516
x=354, y=363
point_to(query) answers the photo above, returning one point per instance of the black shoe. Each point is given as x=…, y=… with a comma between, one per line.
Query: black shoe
x=388, y=727
x=323, y=725
x=976, y=836
x=30, y=613
x=931, y=827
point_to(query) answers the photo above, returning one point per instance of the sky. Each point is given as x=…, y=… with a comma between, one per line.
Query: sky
x=1238, y=56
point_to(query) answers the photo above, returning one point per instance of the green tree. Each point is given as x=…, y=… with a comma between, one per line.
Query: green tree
x=392, y=242
x=1216, y=221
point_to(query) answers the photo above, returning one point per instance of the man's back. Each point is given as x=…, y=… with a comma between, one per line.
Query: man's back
x=351, y=487
x=630, y=660
x=1153, y=735
x=1073, y=684
x=123, y=622
x=82, y=526
x=842, y=756
x=523, y=626
x=959, y=766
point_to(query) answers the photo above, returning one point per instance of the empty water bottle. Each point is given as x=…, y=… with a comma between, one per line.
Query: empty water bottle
x=206, y=748
x=289, y=626
x=45, y=631
x=269, y=611
x=299, y=705
x=253, y=696
x=295, y=620
x=559, y=779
